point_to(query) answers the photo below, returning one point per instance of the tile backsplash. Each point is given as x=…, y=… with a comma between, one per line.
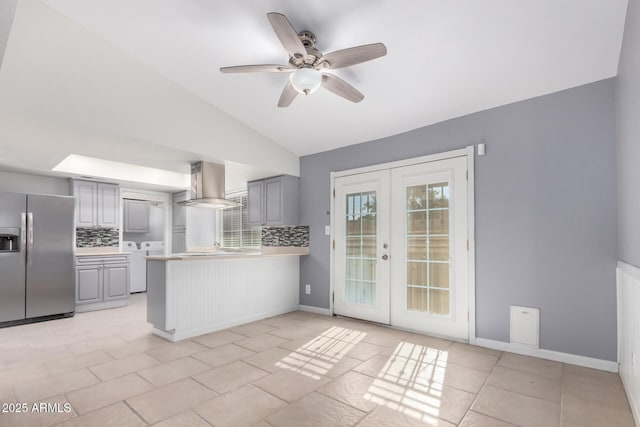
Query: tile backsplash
x=297, y=236
x=96, y=237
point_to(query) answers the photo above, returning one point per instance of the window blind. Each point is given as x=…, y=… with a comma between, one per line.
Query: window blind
x=235, y=230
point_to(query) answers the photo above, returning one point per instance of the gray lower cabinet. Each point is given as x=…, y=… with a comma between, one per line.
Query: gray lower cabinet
x=102, y=282
x=273, y=201
x=116, y=282
x=88, y=284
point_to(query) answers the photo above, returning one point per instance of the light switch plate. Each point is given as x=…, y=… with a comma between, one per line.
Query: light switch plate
x=327, y=230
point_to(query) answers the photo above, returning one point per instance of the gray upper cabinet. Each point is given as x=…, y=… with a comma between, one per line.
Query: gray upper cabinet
x=86, y=194
x=179, y=212
x=108, y=205
x=255, y=197
x=97, y=204
x=136, y=216
x=178, y=223
x=273, y=201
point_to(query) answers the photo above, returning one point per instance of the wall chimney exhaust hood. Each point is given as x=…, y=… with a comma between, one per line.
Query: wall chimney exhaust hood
x=207, y=187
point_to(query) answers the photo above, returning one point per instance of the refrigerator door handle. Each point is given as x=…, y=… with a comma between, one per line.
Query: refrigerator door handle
x=23, y=238
x=30, y=230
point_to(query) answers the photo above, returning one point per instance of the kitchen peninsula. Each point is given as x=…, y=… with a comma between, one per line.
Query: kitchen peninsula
x=194, y=294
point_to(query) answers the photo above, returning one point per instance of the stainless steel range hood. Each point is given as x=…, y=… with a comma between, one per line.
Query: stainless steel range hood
x=207, y=186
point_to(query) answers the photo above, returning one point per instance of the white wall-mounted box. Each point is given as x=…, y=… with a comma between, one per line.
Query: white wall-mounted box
x=525, y=326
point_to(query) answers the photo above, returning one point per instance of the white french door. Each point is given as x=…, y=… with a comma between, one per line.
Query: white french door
x=362, y=218
x=429, y=241
x=401, y=255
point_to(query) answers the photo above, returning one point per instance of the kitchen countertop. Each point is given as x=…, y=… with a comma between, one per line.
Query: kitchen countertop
x=101, y=251
x=283, y=251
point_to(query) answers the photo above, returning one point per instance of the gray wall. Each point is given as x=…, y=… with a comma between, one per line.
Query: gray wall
x=27, y=183
x=628, y=134
x=545, y=212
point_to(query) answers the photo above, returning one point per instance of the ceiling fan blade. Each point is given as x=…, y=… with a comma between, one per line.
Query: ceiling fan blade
x=287, y=35
x=341, y=88
x=262, y=68
x=353, y=55
x=288, y=95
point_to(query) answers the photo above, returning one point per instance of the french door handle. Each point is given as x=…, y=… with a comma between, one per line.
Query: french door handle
x=385, y=257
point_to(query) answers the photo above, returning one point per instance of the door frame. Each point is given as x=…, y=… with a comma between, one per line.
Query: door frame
x=467, y=152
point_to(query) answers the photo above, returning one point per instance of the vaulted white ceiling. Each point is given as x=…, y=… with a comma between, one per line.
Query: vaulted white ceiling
x=445, y=59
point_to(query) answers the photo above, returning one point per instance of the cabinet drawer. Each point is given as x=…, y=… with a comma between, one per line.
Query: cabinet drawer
x=116, y=259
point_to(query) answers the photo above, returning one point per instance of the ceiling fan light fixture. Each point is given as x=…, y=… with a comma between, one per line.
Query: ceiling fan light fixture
x=306, y=80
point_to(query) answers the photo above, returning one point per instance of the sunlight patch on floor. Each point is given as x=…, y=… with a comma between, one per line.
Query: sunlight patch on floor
x=319, y=355
x=410, y=382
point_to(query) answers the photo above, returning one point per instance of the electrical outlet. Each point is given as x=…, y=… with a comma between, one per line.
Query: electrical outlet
x=307, y=289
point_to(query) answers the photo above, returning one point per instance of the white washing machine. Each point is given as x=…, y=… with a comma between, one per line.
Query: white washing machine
x=138, y=280
x=139, y=263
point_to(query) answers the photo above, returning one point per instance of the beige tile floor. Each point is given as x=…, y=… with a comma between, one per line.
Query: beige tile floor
x=297, y=369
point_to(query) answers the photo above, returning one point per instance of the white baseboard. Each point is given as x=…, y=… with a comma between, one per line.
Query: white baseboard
x=556, y=356
x=316, y=310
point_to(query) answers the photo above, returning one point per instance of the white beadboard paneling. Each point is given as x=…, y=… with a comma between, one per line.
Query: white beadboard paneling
x=628, y=287
x=208, y=295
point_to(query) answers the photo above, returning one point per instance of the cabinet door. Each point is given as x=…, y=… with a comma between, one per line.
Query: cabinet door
x=116, y=281
x=179, y=212
x=88, y=284
x=178, y=242
x=136, y=216
x=255, y=203
x=85, y=193
x=108, y=205
x=273, y=201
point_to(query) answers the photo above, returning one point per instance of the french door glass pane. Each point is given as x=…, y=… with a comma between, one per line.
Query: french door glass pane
x=439, y=275
x=439, y=248
x=417, y=298
x=417, y=222
x=361, y=250
x=428, y=236
x=417, y=248
x=417, y=273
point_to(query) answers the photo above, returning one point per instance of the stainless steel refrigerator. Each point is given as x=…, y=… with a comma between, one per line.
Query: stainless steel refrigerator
x=36, y=256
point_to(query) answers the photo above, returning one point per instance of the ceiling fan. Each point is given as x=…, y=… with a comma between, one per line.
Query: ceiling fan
x=307, y=65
